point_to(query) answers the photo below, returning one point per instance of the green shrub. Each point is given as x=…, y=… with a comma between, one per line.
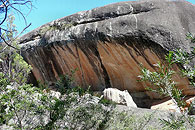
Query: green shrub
x=177, y=122
x=162, y=83
x=128, y=121
x=22, y=106
x=162, y=78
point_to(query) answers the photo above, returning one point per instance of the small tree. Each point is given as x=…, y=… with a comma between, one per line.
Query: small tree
x=162, y=78
x=162, y=82
x=22, y=106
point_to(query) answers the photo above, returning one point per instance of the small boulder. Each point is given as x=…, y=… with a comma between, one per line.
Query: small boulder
x=53, y=93
x=120, y=97
x=167, y=105
x=171, y=106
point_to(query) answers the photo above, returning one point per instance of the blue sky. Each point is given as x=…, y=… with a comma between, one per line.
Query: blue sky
x=45, y=11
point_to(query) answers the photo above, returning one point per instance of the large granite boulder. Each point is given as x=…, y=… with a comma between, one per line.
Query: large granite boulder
x=107, y=45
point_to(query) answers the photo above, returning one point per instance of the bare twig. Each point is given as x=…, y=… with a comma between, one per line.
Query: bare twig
x=6, y=9
x=24, y=3
x=20, y=14
x=22, y=31
x=8, y=43
x=7, y=30
x=4, y=2
x=10, y=5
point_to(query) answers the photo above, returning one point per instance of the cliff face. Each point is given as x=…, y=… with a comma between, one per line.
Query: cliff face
x=107, y=44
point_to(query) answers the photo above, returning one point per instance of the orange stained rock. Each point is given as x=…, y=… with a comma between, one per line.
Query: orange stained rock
x=188, y=104
x=123, y=66
x=115, y=63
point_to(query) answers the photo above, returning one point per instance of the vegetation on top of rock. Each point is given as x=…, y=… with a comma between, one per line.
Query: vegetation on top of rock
x=55, y=27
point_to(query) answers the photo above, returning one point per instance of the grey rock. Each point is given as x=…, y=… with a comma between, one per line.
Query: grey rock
x=145, y=119
x=107, y=44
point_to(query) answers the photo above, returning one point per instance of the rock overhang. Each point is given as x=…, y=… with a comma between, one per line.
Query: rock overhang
x=107, y=44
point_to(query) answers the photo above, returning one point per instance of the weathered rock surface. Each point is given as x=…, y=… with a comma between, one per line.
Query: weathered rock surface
x=120, y=97
x=169, y=105
x=146, y=119
x=107, y=45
